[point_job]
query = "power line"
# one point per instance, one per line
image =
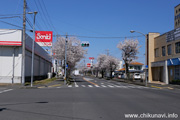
(42, 18)
(9, 14)
(12, 24)
(29, 22)
(49, 17)
(9, 17)
(96, 37)
(44, 14)
(37, 22)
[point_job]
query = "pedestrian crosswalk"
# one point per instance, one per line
(105, 86)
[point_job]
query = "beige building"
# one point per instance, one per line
(163, 53)
(177, 16)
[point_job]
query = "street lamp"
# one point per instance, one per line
(32, 62)
(132, 31)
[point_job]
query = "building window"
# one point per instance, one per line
(137, 68)
(163, 51)
(177, 72)
(157, 52)
(178, 47)
(131, 67)
(169, 49)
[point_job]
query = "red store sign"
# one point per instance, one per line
(44, 38)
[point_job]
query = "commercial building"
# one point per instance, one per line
(11, 57)
(163, 53)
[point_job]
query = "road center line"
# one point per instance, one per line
(89, 81)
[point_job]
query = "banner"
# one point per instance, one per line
(43, 38)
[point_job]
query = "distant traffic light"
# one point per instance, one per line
(85, 44)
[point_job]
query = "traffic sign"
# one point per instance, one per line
(91, 58)
(88, 64)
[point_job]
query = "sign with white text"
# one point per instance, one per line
(43, 38)
(88, 64)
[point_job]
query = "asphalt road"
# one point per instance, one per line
(88, 99)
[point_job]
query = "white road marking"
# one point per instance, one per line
(88, 79)
(58, 87)
(103, 86)
(117, 86)
(5, 90)
(110, 86)
(75, 82)
(90, 86)
(132, 86)
(83, 85)
(76, 85)
(69, 85)
(97, 85)
(123, 87)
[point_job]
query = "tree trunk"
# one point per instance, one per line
(111, 73)
(102, 72)
(126, 70)
(96, 73)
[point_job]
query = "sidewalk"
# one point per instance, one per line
(159, 85)
(10, 85)
(55, 83)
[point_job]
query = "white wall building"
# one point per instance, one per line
(120, 65)
(11, 57)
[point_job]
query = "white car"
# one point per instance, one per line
(137, 76)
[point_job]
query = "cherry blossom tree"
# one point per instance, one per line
(129, 48)
(110, 64)
(106, 63)
(100, 60)
(75, 52)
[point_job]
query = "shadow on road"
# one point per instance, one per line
(1, 109)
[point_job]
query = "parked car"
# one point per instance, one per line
(137, 76)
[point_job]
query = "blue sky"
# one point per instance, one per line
(97, 18)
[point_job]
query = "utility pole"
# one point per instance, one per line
(65, 61)
(107, 50)
(23, 44)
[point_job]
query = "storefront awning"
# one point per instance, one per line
(174, 61)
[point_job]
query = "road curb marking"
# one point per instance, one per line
(54, 85)
(156, 87)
